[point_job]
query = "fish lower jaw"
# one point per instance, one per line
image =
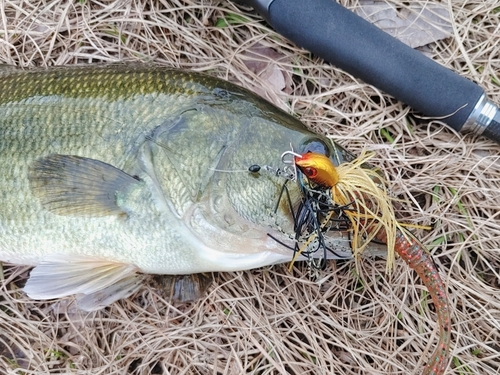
(217, 261)
(216, 246)
(231, 252)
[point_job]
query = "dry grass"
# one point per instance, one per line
(270, 321)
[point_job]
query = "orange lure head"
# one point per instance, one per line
(318, 168)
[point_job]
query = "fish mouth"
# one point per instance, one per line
(316, 250)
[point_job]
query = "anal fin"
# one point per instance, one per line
(97, 279)
(105, 297)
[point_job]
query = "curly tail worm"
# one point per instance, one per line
(384, 227)
(418, 259)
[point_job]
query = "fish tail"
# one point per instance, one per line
(416, 256)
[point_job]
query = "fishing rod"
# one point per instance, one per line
(353, 44)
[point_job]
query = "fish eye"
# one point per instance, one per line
(316, 145)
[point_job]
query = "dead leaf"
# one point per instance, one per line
(261, 60)
(414, 25)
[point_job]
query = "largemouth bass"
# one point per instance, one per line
(117, 171)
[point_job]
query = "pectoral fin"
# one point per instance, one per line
(97, 282)
(182, 288)
(75, 186)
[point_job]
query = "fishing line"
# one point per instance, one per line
(229, 170)
(254, 168)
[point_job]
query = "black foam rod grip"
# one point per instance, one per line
(356, 46)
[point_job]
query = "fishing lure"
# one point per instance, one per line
(315, 217)
(360, 195)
